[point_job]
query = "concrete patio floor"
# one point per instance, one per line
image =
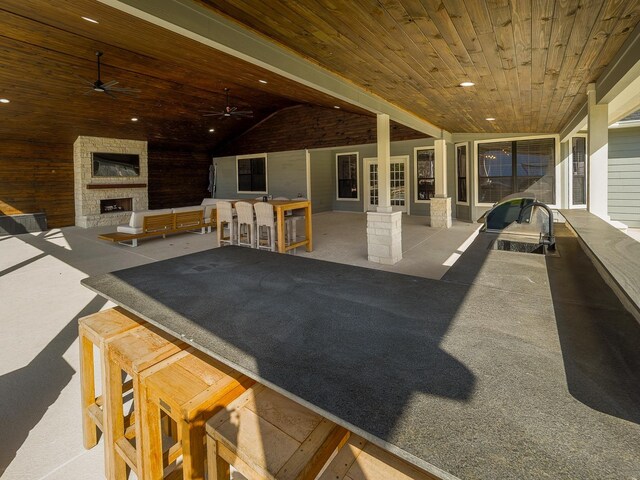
(42, 299)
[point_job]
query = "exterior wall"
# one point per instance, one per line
(286, 175)
(624, 175)
(323, 185)
(474, 211)
(400, 148)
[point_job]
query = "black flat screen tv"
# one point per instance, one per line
(116, 165)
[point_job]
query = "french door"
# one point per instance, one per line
(398, 171)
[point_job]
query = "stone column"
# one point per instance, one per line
(384, 227)
(440, 208)
(598, 163)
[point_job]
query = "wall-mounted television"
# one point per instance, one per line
(116, 165)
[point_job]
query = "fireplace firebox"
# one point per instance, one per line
(111, 205)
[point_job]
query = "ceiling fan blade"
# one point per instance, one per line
(216, 114)
(110, 84)
(110, 94)
(91, 90)
(88, 82)
(243, 112)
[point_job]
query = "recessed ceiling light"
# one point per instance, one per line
(4, 100)
(90, 20)
(262, 81)
(211, 130)
(134, 119)
(490, 119)
(336, 106)
(467, 84)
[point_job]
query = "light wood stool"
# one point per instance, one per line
(359, 459)
(267, 436)
(189, 387)
(132, 352)
(95, 330)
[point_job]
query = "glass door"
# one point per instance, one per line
(398, 168)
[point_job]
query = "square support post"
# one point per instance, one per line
(598, 164)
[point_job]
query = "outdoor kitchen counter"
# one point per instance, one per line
(486, 374)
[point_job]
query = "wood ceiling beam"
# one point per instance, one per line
(201, 24)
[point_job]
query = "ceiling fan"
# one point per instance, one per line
(230, 111)
(110, 87)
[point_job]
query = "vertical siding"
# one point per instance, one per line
(624, 175)
(286, 175)
(323, 185)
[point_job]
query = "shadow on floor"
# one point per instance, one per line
(598, 337)
(28, 392)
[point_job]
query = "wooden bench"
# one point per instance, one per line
(163, 224)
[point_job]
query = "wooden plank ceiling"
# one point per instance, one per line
(46, 49)
(530, 61)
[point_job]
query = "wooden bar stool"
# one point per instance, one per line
(359, 459)
(132, 352)
(95, 330)
(267, 436)
(189, 387)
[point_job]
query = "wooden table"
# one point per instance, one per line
(280, 207)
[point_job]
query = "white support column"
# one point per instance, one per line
(440, 208)
(384, 160)
(598, 164)
(441, 168)
(384, 226)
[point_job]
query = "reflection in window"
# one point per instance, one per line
(252, 174)
(579, 170)
(425, 177)
(347, 175)
(461, 163)
(518, 166)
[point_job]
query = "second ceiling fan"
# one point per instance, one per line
(229, 111)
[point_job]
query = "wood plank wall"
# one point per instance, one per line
(178, 177)
(37, 177)
(310, 126)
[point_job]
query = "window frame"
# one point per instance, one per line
(455, 152)
(415, 172)
(556, 171)
(338, 197)
(266, 174)
(586, 171)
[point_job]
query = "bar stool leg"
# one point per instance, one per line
(193, 452)
(218, 468)
(88, 391)
(116, 468)
(151, 435)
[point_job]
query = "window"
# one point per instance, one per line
(516, 166)
(579, 170)
(461, 169)
(252, 173)
(425, 174)
(347, 175)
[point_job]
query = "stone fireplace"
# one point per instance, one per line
(107, 200)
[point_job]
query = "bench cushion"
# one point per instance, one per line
(129, 229)
(137, 218)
